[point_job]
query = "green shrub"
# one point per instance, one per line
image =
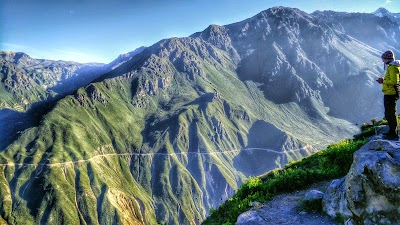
(311, 205)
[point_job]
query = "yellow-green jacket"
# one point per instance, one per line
(391, 78)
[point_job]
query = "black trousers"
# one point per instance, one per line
(390, 111)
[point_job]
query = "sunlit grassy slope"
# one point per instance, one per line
(155, 140)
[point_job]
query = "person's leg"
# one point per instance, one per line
(390, 112)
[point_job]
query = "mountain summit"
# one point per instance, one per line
(381, 12)
(173, 129)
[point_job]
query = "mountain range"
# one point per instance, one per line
(167, 132)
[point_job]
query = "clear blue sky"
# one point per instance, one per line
(100, 30)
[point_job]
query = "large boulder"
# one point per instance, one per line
(370, 192)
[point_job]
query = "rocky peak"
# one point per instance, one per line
(216, 35)
(18, 58)
(381, 12)
(219, 37)
(277, 24)
(285, 27)
(284, 13)
(280, 17)
(188, 55)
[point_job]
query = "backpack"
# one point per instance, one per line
(397, 89)
(397, 86)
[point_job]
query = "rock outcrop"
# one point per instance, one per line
(370, 192)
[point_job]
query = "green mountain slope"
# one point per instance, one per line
(160, 138)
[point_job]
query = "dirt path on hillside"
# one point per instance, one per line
(146, 155)
(285, 210)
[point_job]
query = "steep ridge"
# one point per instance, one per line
(25, 80)
(164, 135)
(30, 87)
(382, 12)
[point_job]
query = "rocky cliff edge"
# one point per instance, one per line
(370, 192)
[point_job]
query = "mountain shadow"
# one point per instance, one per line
(264, 151)
(13, 123)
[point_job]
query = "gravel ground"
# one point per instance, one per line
(285, 209)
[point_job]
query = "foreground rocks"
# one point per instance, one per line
(286, 209)
(370, 192)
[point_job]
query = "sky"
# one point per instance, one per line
(100, 30)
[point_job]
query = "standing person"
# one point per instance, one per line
(390, 91)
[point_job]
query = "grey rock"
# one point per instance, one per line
(371, 189)
(334, 202)
(250, 218)
(314, 195)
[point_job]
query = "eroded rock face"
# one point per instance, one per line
(370, 193)
(334, 201)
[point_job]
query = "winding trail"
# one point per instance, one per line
(151, 154)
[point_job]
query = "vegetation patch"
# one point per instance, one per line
(314, 205)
